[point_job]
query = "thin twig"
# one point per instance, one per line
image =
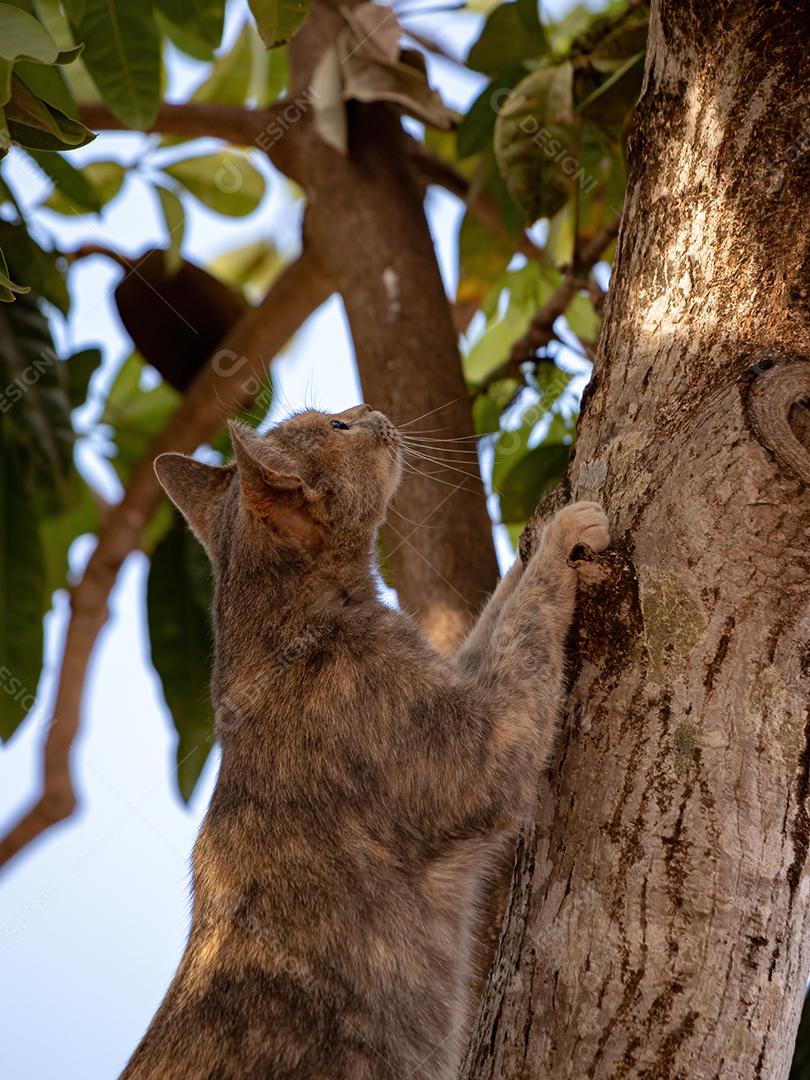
(85, 251)
(227, 383)
(268, 128)
(194, 119)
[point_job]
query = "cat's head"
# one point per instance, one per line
(314, 481)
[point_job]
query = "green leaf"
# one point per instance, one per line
(582, 318)
(178, 598)
(53, 15)
(611, 104)
(512, 445)
(203, 18)
(508, 38)
(562, 234)
(35, 123)
(491, 351)
(567, 30)
(230, 75)
(489, 406)
(6, 68)
(600, 194)
(271, 72)
(251, 268)
(58, 532)
(628, 38)
(530, 15)
(7, 287)
(136, 414)
(185, 40)
(537, 473)
(44, 271)
(72, 183)
(528, 288)
(225, 182)
(21, 591)
(74, 9)
(493, 183)
(103, 178)
(483, 256)
(34, 396)
(36, 138)
(175, 218)
(49, 84)
(80, 369)
(475, 131)
(22, 37)
(536, 141)
(123, 56)
(5, 134)
(278, 20)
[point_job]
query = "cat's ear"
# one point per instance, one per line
(281, 499)
(196, 489)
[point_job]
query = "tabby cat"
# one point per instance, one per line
(364, 780)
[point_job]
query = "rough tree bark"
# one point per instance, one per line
(657, 921)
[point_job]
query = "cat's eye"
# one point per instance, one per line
(338, 425)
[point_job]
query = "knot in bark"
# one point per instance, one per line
(776, 400)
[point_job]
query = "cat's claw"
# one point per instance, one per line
(582, 524)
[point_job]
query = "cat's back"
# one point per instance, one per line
(320, 946)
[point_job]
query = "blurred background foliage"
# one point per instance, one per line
(538, 159)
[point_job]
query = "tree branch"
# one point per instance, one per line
(269, 128)
(194, 119)
(228, 382)
(86, 251)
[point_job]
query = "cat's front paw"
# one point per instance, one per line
(580, 525)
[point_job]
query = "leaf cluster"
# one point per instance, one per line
(538, 158)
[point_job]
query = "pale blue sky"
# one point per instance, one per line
(93, 918)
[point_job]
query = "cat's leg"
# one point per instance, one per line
(474, 647)
(474, 775)
(521, 673)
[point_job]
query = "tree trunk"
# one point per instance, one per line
(366, 222)
(657, 921)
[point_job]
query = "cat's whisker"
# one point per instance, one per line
(429, 431)
(438, 408)
(441, 449)
(441, 464)
(226, 410)
(463, 441)
(411, 470)
(456, 438)
(418, 524)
